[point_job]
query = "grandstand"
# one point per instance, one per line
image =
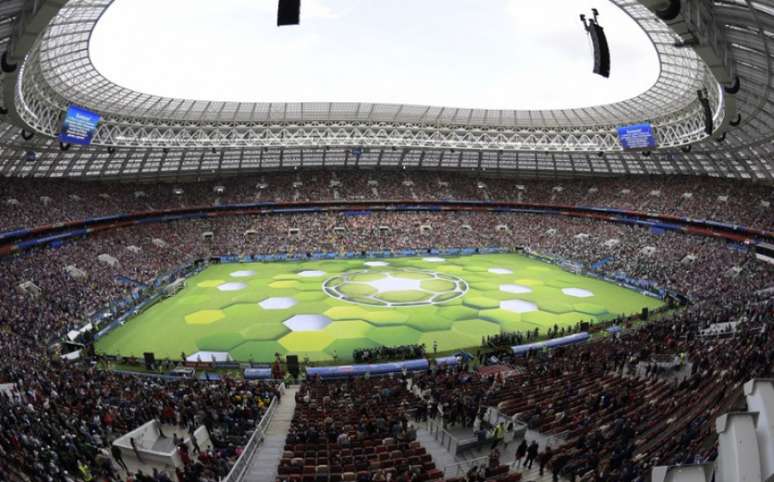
(204, 290)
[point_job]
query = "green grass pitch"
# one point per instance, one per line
(317, 308)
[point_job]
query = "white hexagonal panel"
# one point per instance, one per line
(307, 322)
(518, 306)
(232, 286)
(376, 264)
(242, 274)
(311, 274)
(434, 259)
(500, 271)
(277, 303)
(387, 284)
(517, 289)
(577, 292)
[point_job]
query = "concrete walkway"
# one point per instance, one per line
(263, 466)
(441, 457)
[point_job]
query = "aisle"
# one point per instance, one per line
(263, 466)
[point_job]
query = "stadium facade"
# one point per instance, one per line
(721, 48)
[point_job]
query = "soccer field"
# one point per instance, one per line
(317, 309)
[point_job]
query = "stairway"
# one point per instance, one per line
(263, 465)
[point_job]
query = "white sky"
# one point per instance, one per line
(500, 54)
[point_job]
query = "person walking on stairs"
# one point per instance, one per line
(499, 433)
(521, 451)
(532, 452)
(544, 458)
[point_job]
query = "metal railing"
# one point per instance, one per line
(237, 471)
(443, 437)
(455, 470)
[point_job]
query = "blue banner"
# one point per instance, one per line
(372, 369)
(554, 343)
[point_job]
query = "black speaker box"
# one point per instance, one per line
(150, 360)
(292, 361)
(288, 12)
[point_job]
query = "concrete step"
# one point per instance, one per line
(263, 465)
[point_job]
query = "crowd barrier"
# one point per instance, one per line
(346, 371)
(573, 339)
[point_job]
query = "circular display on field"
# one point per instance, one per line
(395, 288)
(242, 274)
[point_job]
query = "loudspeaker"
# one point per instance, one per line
(645, 314)
(585, 325)
(601, 50)
(288, 12)
(292, 361)
(705, 105)
(150, 360)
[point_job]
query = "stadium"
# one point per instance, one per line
(340, 241)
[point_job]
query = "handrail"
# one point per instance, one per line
(467, 464)
(444, 437)
(237, 471)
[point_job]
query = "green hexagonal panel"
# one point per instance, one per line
(429, 323)
(449, 268)
(284, 284)
(500, 316)
(211, 283)
(590, 308)
(301, 341)
(476, 328)
(348, 329)
(357, 289)
(264, 331)
(485, 286)
(555, 283)
(219, 341)
(385, 317)
(529, 282)
(345, 313)
(258, 351)
(204, 317)
(249, 313)
(394, 335)
(540, 319)
(316, 295)
(344, 347)
(365, 277)
(285, 277)
(437, 285)
(554, 307)
(457, 312)
(480, 302)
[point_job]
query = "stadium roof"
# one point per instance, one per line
(703, 45)
(513, 54)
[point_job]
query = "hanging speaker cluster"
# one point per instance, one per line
(599, 41)
(288, 12)
(705, 105)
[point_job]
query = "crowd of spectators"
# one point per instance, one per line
(400, 352)
(31, 202)
(58, 416)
